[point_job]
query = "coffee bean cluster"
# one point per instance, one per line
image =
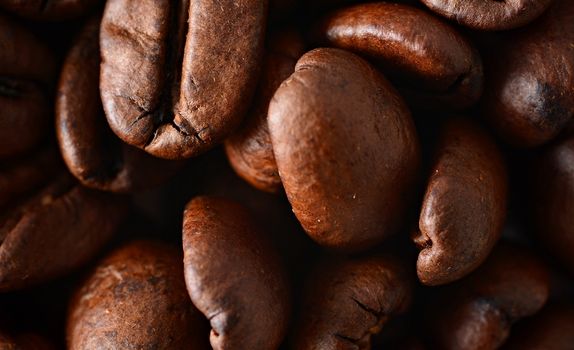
(286, 174)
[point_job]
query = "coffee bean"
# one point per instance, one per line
(529, 98)
(234, 276)
(91, 151)
(347, 301)
(27, 72)
(432, 64)
(490, 15)
(135, 298)
(478, 311)
(177, 77)
(346, 149)
(464, 206)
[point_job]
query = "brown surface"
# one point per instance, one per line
(464, 206)
(93, 154)
(347, 301)
(234, 276)
(491, 14)
(136, 299)
(552, 199)
(529, 97)
(435, 66)
(477, 312)
(551, 329)
(177, 91)
(250, 151)
(50, 9)
(55, 232)
(346, 149)
(27, 73)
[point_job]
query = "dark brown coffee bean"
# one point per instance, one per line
(50, 9)
(432, 64)
(346, 149)
(175, 89)
(234, 276)
(551, 329)
(464, 207)
(136, 299)
(552, 202)
(529, 96)
(91, 151)
(24, 341)
(27, 72)
(250, 151)
(347, 301)
(478, 311)
(490, 15)
(55, 232)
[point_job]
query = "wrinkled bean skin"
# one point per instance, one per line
(135, 299)
(478, 311)
(347, 301)
(553, 199)
(24, 341)
(250, 151)
(434, 66)
(91, 151)
(464, 206)
(55, 232)
(490, 14)
(174, 93)
(25, 88)
(346, 149)
(529, 98)
(234, 276)
(50, 9)
(551, 329)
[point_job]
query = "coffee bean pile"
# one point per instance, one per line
(286, 174)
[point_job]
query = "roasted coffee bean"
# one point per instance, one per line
(91, 151)
(24, 341)
(464, 206)
(490, 15)
(347, 301)
(478, 311)
(249, 150)
(234, 276)
(177, 77)
(22, 176)
(552, 199)
(551, 329)
(431, 63)
(529, 98)
(27, 72)
(135, 298)
(50, 9)
(346, 149)
(55, 232)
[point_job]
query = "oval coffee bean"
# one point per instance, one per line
(55, 232)
(529, 97)
(249, 150)
(347, 301)
(552, 208)
(551, 329)
(91, 151)
(135, 299)
(50, 9)
(490, 14)
(431, 63)
(234, 276)
(477, 312)
(464, 206)
(177, 77)
(27, 72)
(346, 149)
